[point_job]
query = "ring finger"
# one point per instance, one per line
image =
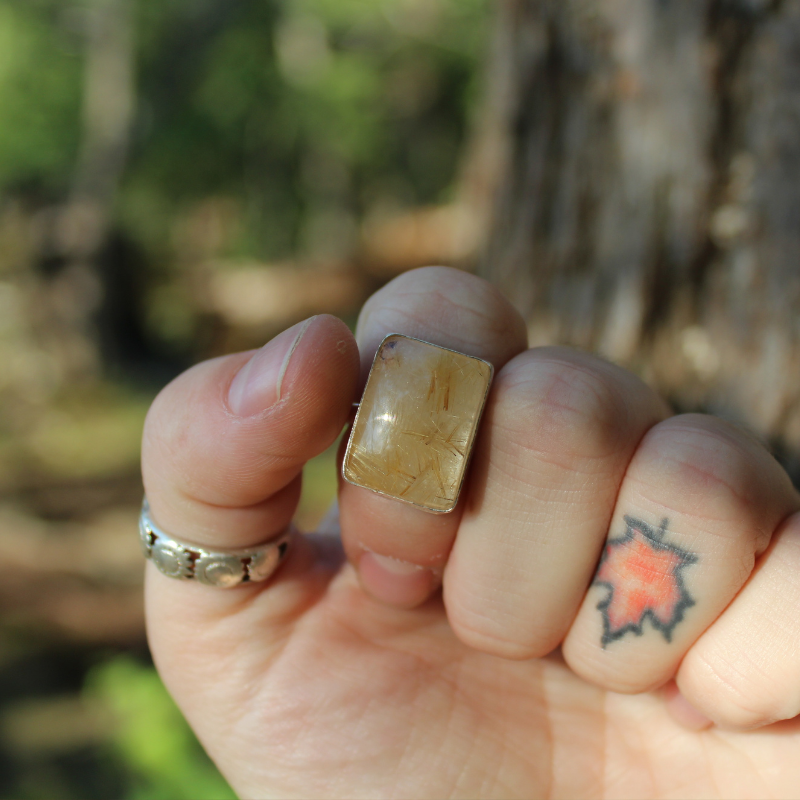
(699, 503)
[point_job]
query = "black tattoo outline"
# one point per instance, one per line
(656, 538)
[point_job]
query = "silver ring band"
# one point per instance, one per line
(221, 568)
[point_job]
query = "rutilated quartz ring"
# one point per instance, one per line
(221, 568)
(416, 423)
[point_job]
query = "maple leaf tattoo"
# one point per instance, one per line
(643, 574)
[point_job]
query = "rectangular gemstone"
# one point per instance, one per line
(416, 423)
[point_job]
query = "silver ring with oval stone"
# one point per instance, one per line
(416, 423)
(223, 569)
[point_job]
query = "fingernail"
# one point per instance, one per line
(395, 582)
(258, 384)
(683, 712)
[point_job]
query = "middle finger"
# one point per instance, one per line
(560, 429)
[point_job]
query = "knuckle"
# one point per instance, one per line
(448, 306)
(734, 691)
(495, 644)
(586, 657)
(170, 443)
(713, 472)
(562, 409)
(189, 444)
(166, 434)
(496, 631)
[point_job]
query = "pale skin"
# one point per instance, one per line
(410, 655)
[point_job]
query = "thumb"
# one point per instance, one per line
(224, 446)
(224, 443)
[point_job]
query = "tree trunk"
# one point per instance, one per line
(88, 295)
(641, 160)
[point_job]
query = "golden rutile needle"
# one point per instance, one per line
(416, 423)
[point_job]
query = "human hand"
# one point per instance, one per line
(511, 682)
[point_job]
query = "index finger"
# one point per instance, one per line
(401, 550)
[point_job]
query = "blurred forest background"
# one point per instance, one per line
(184, 178)
(179, 179)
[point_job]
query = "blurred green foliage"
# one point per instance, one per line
(309, 112)
(161, 756)
(40, 88)
(305, 113)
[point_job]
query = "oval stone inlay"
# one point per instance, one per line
(171, 560)
(219, 570)
(262, 565)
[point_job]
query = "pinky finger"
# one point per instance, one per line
(743, 672)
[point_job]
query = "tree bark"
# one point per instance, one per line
(637, 172)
